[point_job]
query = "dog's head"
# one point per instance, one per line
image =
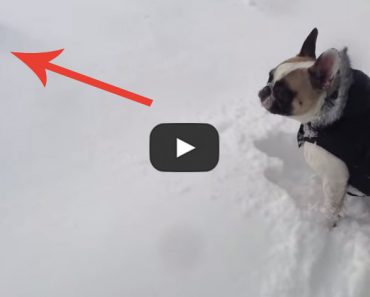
(297, 86)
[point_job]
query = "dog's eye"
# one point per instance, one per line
(271, 76)
(282, 91)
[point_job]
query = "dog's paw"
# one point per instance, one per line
(332, 216)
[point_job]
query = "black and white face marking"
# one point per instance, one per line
(288, 90)
(298, 87)
(277, 96)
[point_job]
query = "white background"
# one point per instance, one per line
(83, 213)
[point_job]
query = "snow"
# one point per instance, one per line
(83, 213)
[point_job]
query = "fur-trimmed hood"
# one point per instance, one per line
(335, 100)
(343, 124)
(349, 97)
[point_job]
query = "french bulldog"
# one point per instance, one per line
(331, 101)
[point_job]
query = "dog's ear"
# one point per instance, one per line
(309, 45)
(322, 73)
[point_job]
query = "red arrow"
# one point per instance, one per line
(40, 62)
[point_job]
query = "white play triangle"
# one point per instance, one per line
(183, 147)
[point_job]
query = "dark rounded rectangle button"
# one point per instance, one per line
(184, 147)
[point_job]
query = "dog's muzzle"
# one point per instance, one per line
(266, 97)
(264, 93)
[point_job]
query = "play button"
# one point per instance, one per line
(184, 147)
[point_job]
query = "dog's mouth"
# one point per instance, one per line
(267, 102)
(266, 96)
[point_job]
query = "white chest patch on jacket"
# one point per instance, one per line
(324, 163)
(333, 173)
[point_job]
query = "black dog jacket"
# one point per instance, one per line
(348, 138)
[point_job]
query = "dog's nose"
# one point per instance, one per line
(264, 93)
